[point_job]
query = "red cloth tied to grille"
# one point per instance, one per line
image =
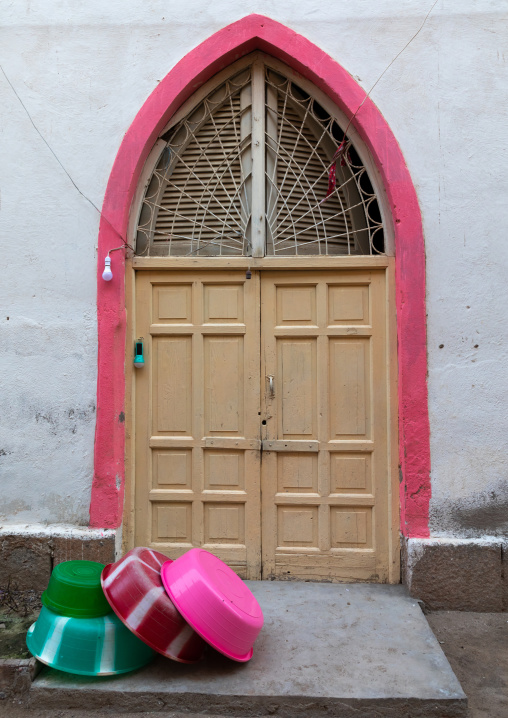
(332, 174)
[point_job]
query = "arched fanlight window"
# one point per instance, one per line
(245, 173)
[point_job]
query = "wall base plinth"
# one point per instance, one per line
(457, 574)
(28, 553)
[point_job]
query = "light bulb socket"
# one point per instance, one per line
(107, 274)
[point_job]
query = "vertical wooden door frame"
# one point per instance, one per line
(223, 48)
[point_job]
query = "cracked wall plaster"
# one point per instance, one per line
(84, 75)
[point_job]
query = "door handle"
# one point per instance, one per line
(271, 386)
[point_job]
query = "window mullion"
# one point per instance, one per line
(258, 160)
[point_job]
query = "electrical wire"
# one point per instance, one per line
(126, 244)
(389, 65)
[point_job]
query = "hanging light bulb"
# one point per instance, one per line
(107, 274)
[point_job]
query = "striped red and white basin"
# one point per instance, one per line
(134, 590)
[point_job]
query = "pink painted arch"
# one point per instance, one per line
(212, 55)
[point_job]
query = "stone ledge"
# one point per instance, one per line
(504, 577)
(346, 650)
(28, 553)
(457, 574)
(242, 706)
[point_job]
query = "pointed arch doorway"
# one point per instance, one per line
(112, 498)
(263, 420)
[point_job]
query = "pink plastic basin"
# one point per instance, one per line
(134, 590)
(215, 602)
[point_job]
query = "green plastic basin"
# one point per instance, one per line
(75, 590)
(87, 646)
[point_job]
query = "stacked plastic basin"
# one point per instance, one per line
(100, 620)
(215, 602)
(77, 631)
(135, 592)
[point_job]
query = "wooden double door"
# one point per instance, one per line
(263, 428)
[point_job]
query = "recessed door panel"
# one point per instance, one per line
(297, 378)
(349, 387)
(172, 395)
(223, 385)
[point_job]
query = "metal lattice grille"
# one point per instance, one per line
(298, 217)
(199, 200)
(301, 141)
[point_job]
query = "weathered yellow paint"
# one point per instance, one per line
(197, 416)
(326, 514)
(289, 366)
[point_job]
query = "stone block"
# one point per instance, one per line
(27, 558)
(25, 562)
(73, 549)
(455, 575)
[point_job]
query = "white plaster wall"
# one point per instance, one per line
(84, 69)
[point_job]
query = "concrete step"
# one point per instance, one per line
(325, 650)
